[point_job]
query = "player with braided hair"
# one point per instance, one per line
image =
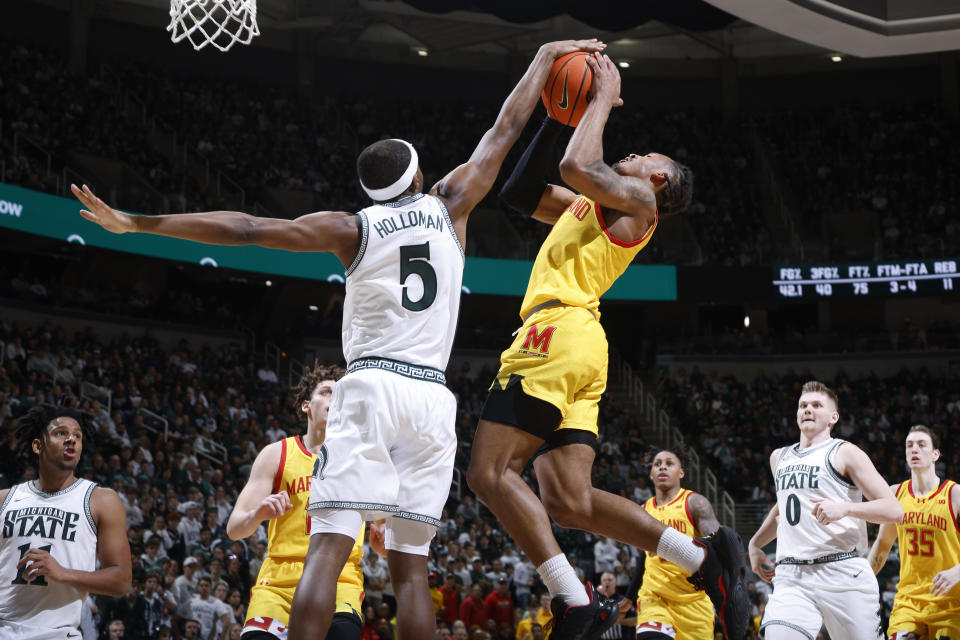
(54, 530)
(667, 605)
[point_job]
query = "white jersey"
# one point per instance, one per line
(403, 289)
(60, 523)
(801, 477)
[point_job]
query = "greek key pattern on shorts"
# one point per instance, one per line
(353, 506)
(429, 374)
(418, 517)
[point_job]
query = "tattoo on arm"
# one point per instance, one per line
(616, 185)
(703, 516)
(878, 562)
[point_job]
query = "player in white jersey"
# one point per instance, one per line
(390, 450)
(819, 523)
(54, 529)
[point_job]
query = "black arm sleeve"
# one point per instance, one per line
(525, 186)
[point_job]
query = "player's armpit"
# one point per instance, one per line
(553, 203)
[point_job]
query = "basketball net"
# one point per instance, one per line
(221, 23)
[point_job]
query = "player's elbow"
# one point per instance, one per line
(894, 511)
(574, 173)
(234, 532)
(118, 587)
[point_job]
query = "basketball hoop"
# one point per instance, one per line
(221, 23)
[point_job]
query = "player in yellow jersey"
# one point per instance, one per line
(543, 403)
(927, 605)
(278, 490)
(667, 605)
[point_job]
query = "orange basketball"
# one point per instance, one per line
(567, 92)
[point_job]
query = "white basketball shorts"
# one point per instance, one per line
(842, 595)
(389, 451)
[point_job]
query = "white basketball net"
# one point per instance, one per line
(221, 23)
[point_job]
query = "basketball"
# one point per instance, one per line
(567, 92)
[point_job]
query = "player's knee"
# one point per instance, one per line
(570, 510)
(481, 479)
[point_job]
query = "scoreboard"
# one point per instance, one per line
(893, 278)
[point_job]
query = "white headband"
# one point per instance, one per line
(402, 183)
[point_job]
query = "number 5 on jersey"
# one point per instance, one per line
(415, 260)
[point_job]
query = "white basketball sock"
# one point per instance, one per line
(560, 578)
(680, 550)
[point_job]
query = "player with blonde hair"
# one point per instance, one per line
(820, 524)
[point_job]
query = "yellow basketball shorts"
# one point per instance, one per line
(272, 595)
(683, 621)
(558, 356)
(927, 620)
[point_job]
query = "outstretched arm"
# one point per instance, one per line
(466, 185)
(256, 501)
(113, 551)
(881, 506)
(583, 167)
(329, 231)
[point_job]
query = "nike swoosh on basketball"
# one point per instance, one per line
(563, 103)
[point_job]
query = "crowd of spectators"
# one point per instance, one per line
(896, 163)
(48, 113)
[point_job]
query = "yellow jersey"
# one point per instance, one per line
(660, 577)
(288, 539)
(580, 260)
(929, 541)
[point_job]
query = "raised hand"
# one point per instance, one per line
(98, 211)
(274, 506)
(606, 79)
(563, 47)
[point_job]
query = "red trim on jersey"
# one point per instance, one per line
(675, 498)
(686, 507)
(617, 241)
(927, 497)
(900, 489)
(956, 516)
(299, 440)
(278, 481)
(943, 483)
